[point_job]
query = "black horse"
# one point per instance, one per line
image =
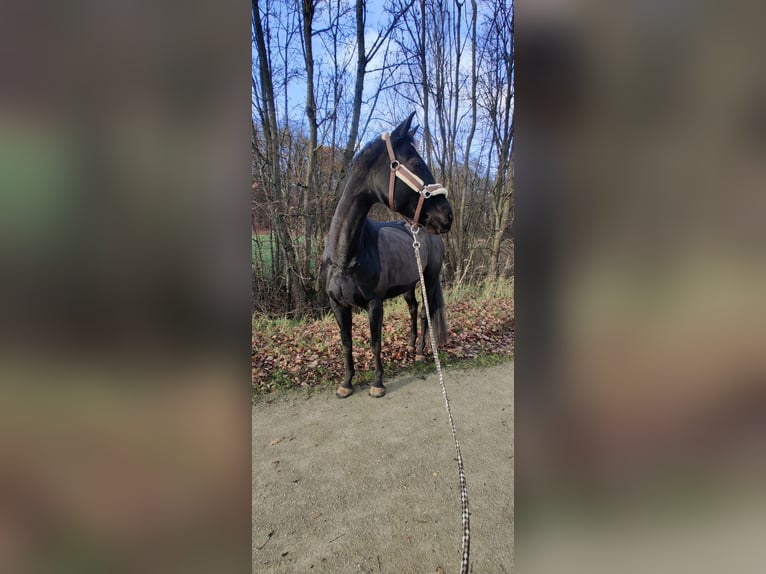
(366, 261)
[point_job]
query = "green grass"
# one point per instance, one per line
(260, 252)
(485, 291)
(273, 326)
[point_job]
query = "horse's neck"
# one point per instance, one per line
(347, 224)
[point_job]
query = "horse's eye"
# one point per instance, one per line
(415, 163)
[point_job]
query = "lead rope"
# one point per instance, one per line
(461, 471)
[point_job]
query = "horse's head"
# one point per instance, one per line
(419, 199)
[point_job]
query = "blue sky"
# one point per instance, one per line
(385, 117)
(296, 88)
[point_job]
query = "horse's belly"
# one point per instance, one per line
(397, 281)
(396, 291)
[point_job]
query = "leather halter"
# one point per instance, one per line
(412, 181)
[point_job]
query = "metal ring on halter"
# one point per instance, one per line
(426, 193)
(394, 165)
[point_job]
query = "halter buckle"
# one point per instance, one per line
(414, 228)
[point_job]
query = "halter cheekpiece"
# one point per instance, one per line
(412, 181)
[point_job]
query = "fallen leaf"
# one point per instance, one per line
(275, 441)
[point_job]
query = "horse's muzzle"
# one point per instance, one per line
(438, 220)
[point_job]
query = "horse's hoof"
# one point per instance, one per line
(377, 392)
(344, 392)
(420, 357)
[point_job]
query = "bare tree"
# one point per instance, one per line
(270, 133)
(308, 11)
(364, 56)
(498, 99)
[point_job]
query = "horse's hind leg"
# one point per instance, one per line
(343, 317)
(375, 311)
(412, 305)
(420, 353)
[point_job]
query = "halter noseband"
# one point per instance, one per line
(412, 181)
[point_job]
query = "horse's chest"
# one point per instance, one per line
(350, 288)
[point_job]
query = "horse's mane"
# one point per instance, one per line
(365, 156)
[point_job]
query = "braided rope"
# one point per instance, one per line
(461, 471)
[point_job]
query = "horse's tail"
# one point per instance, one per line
(437, 309)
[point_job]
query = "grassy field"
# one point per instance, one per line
(294, 354)
(261, 250)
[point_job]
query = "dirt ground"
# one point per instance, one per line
(371, 485)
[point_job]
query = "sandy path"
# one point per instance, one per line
(370, 485)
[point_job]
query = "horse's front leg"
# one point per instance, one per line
(343, 317)
(375, 311)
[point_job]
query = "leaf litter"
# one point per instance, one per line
(309, 354)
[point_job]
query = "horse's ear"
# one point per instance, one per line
(402, 129)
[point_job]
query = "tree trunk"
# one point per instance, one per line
(502, 220)
(361, 70)
(311, 114)
(423, 60)
(471, 131)
(270, 133)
